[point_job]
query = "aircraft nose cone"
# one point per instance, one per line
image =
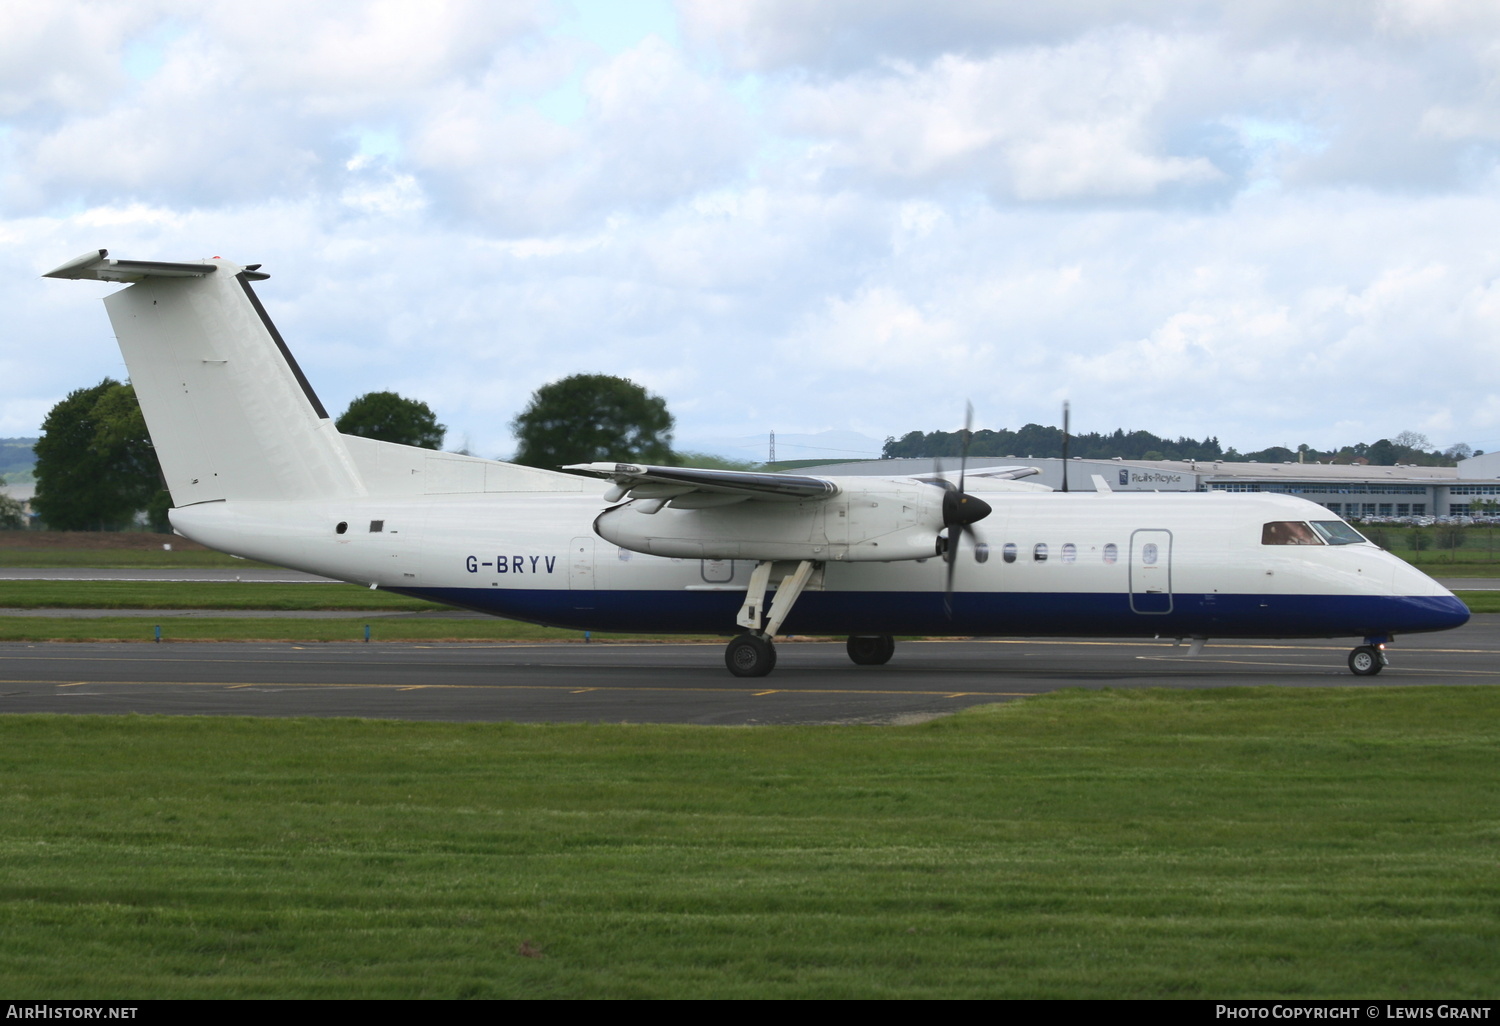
(1452, 613)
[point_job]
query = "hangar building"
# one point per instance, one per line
(1348, 490)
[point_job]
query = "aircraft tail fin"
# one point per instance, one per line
(229, 411)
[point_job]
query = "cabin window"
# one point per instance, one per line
(1149, 553)
(1009, 552)
(1111, 553)
(1040, 552)
(342, 527)
(1288, 532)
(376, 526)
(1336, 532)
(1069, 552)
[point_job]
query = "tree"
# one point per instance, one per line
(1382, 453)
(95, 468)
(388, 417)
(12, 513)
(588, 418)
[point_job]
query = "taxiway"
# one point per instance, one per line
(677, 683)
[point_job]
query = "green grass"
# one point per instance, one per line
(1480, 601)
(133, 559)
(137, 628)
(1478, 556)
(1230, 843)
(1440, 568)
(289, 597)
(200, 595)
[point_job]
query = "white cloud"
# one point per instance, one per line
(654, 132)
(1272, 222)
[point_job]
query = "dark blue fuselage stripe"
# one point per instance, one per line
(1075, 614)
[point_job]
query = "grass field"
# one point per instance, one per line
(134, 559)
(202, 595)
(138, 628)
(106, 595)
(1225, 843)
(133, 549)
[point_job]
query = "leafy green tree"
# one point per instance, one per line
(1038, 441)
(12, 513)
(588, 418)
(122, 432)
(95, 468)
(708, 461)
(388, 417)
(1382, 453)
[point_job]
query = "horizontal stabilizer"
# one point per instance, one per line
(97, 265)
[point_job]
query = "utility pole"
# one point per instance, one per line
(1065, 445)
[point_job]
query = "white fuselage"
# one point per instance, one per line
(1079, 566)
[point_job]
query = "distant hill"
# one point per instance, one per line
(16, 455)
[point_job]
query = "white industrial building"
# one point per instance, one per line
(1348, 490)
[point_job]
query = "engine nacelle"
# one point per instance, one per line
(870, 520)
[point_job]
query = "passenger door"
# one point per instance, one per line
(1151, 572)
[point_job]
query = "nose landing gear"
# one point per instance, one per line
(1368, 659)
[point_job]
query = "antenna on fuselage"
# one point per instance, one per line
(1065, 445)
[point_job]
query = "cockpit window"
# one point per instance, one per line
(1336, 532)
(1288, 532)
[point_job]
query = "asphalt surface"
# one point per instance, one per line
(677, 683)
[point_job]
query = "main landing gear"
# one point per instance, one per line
(871, 650)
(753, 654)
(1368, 659)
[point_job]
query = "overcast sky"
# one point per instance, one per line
(1274, 222)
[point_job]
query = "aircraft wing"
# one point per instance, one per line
(645, 482)
(986, 473)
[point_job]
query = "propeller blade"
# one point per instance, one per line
(963, 457)
(948, 588)
(960, 510)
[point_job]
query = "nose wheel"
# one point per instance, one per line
(1366, 661)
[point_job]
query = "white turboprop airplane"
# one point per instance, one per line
(256, 469)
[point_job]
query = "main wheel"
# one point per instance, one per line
(750, 655)
(1366, 661)
(871, 650)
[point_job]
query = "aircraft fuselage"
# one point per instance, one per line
(1053, 564)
